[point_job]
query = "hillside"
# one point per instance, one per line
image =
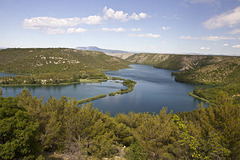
(223, 71)
(175, 62)
(56, 64)
(35, 60)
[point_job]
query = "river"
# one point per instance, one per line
(155, 89)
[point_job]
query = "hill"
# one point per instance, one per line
(61, 64)
(94, 48)
(223, 71)
(174, 61)
(56, 59)
(220, 73)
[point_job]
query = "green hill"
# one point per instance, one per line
(176, 62)
(46, 60)
(55, 65)
(223, 72)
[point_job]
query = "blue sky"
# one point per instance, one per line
(158, 26)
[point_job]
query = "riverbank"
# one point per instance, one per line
(56, 84)
(91, 99)
(126, 82)
(200, 98)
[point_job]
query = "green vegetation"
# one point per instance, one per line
(60, 129)
(126, 82)
(42, 66)
(92, 98)
(233, 90)
(221, 71)
(176, 62)
(17, 131)
(225, 75)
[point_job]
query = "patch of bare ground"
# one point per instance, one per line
(120, 55)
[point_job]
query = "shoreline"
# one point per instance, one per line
(126, 82)
(200, 98)
(60, 84)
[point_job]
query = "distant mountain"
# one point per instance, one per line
(94, 48)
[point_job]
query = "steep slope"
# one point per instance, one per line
(223, 72)
(175, 62)
(45, 60)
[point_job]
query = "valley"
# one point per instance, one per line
(58, 127)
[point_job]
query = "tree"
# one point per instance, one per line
(156, 134)
(135, 152)
(17, 131)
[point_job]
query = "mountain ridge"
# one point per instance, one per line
(94, 48)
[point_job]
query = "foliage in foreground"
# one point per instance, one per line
(62, 127)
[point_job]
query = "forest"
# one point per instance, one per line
(60, 129)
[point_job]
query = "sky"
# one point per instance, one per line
(156, 26)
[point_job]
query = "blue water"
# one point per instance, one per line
(155, 89)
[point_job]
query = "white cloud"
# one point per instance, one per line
(229, 19)
(204, 48)
(235, 31)
(49, 22)
(51, 25)
(76, 30)
(109, 13)
(189, 37)
(236, 46)
(136, 29)
(217, 38)
(114, 29)
(149, 35)
(201, 1)
(208, 38)
(121, 29)
(225, 44)
(165, 28)
(91, 20)
(135, 16)
(55, 31)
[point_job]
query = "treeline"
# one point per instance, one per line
(60, 128)
(233, 90)
(126, 82)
